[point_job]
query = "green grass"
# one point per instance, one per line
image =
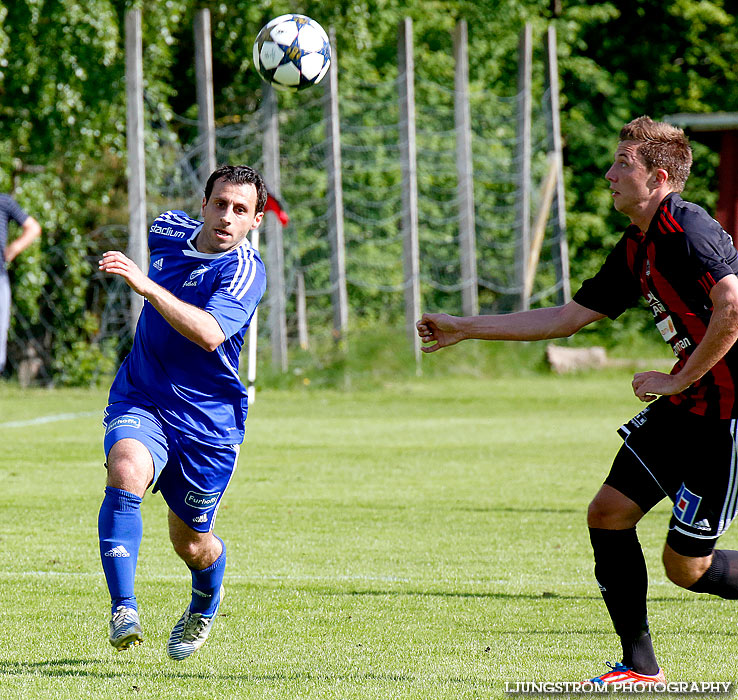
(426, 540)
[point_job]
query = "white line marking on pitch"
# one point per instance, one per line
(48, 419)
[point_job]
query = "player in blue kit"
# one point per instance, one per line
(177, 407)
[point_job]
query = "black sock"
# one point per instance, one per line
(620, 570)
(721, 578)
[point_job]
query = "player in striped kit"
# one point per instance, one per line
(177, 407)
(684, 445)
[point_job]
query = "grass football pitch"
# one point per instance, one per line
(426, 540)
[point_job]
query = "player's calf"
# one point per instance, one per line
(721, 577)
(682, 570)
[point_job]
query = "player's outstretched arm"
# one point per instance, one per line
(192, 322)
(443, 330)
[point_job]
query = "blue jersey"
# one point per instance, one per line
(195, 391)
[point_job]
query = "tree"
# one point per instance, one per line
(62, 120)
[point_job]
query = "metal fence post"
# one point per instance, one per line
(561, 252)
(205, 102)
(465, 174)
(137, 247)
(523, 158)
(339, 295)
(273, 232)
(406, 84)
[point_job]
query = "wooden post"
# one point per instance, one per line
(273, 232)
(561, 252)
(408, 153)
(137, 246)
(548, 189)
(205, 102)
(523, 157)
(465, 174)
(339, 295)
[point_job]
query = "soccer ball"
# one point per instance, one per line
(292, 52)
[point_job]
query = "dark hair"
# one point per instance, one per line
(239, 175)
(661, 145)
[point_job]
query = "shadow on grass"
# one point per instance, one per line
(490, 595)
(525, 510)
(485, 595)
(75, 667)
(57, 668)
(461, 594)
(450, 507)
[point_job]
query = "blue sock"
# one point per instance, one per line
(206, 585)
(120, 528)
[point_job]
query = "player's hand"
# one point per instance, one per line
(648, 386)
(440, 329)
(115, 263)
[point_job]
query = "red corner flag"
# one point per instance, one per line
(272, 204)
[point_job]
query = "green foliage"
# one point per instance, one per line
(375, 355)
(81, 361)
(62, 123)
(62, 154)
(626, 59)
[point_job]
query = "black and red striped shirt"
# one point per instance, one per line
(674, 266)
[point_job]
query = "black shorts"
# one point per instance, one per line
(668, 451)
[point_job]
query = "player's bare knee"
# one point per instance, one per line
(596, 514)
(187, 549)
(130, 467)
(612, 510)
(601, 515)
(198, 550)
(128, 475)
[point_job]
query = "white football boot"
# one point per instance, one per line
(190, 632)
(125, 628)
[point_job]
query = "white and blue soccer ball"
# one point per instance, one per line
(292, 52)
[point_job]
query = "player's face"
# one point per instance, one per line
(629, 180)
(228, 216)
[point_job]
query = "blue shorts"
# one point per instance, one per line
(191, 475)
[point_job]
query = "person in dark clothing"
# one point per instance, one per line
(683, 445)
(30, 231)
